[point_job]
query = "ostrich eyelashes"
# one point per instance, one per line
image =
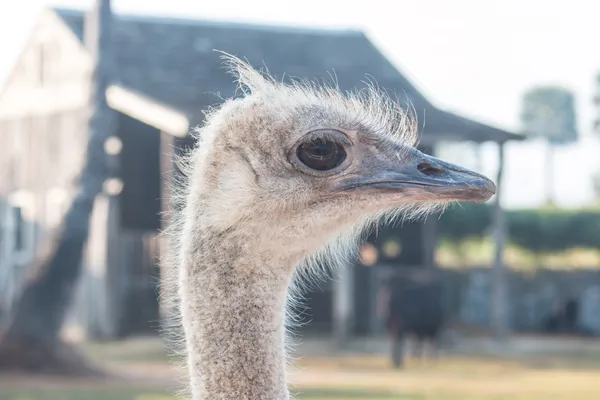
(322, 152)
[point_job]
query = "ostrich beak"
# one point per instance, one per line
(422, 177)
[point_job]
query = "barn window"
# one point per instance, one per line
(21, 226)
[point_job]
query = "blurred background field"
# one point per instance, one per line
(509, 89)
(146, 374)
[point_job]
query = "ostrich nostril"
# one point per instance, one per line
(430, 170)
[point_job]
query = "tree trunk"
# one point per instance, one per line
(32, 340)
(499, 294)
(549, 170)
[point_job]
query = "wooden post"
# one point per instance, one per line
(6, 257)
(429, 234)
(429, 237)
(343, 304)
(549, 174)
(499, 276)
(98, 299)
(417, 238)
(167, 180)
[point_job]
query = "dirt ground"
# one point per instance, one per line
(143, 372)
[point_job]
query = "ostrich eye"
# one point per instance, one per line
(321, 154)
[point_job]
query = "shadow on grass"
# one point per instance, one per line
(132, 394)
(127, 351)
(583, 362)
(82, 394)
(355, 394)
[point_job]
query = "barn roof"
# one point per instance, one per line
(171, 62)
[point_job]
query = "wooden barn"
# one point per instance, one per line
(165, 74)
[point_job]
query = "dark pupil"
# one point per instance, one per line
(321, 154)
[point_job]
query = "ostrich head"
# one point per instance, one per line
(298, 164)
(279, 176)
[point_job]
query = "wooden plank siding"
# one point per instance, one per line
(43, 111)
(140, 270)
(40, 156)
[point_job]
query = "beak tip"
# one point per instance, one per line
(489, 189)
(492, 187)
(480, 191)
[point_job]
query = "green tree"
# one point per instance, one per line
(549, 112)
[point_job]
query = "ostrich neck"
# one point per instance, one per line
(233, 313)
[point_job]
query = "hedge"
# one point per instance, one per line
(547, 230)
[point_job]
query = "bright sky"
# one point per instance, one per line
(471, 56)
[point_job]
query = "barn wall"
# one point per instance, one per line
(139, 311)
(40, 158)
(52, 73)
(118, 294)
(532, 296)
(141, 175)
(41, 143)
(42, 152)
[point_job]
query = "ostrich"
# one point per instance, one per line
(282, 178)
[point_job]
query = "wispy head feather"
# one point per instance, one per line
(249, 80)
(372, 105)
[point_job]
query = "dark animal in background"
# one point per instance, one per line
(415, 311)
(564, 319)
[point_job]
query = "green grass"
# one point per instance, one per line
(309, 394)
(140, 394)
(81, 394)
(548, 377)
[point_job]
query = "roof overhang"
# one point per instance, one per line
(443, 125)
(148, 110)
